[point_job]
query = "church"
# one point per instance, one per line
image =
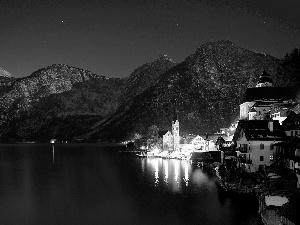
(172, 140)
(266, 101)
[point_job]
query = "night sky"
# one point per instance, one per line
(114, 37)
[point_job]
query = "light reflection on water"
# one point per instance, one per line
(175, 174)
(90, 184)
(199, 192)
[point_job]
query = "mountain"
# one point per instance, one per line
(64, 101)
(5, 80)
(145, 76)
(4, 73)
(205, 89)
(53, 99)
(68, 103)
(56, 79)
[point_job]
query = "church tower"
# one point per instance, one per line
(265, 80)
(175, 131)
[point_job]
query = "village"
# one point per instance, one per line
(258, 154)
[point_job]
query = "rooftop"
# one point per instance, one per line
(259, 130)
(271, 94)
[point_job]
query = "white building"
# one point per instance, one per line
(255, 141)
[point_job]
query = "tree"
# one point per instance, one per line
(288, 73)
(152, 136)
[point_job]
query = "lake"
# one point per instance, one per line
(96, 184)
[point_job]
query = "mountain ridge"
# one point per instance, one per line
(206, 89)
(4, 73)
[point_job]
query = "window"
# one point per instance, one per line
(262, 146)
(271, 146)
(261, 158)
(244, 148)
(271, 158)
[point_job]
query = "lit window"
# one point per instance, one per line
(262, 146)
(261, 158)
(271, 157)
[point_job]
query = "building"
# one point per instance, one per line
(167, 140)
(255, 140)
(292, 124)
(266, 101)
(175, 132)
(288, 153)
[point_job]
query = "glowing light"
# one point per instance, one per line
(53, 154)
(176, 169)
(156, 150)
(156, 172)
(166, 171)
(143, 166)
(186, 174)
(199, 177)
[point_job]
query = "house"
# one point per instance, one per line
(198, 142)
(255, 141)
(292, 124)
(288, 153)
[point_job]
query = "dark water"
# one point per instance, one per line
(95, 184)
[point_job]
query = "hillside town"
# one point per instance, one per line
(258, 154)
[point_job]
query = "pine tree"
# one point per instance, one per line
(288, 73)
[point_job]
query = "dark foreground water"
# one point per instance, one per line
(95, 184)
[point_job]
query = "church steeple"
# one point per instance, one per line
(175, 131)
(175, 115)
(265, 80)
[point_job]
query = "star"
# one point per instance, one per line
(62, 21)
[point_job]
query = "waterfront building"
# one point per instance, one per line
(288, 153)
(171, 140)
(255, 141)
(291, 125)
(167, 139)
